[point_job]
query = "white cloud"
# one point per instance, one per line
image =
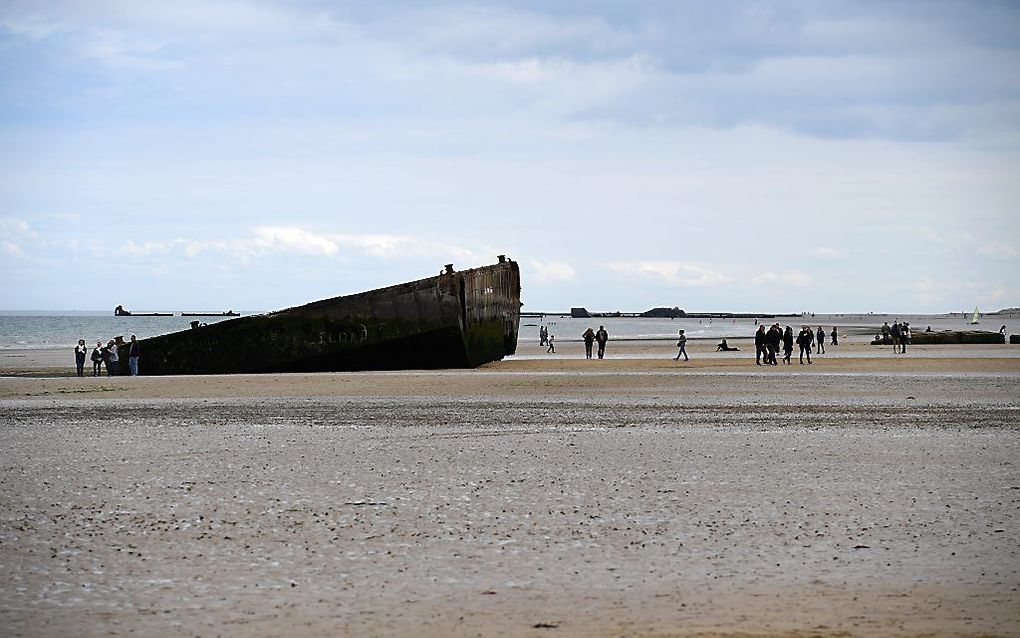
(12, 226)
(374, 245)
(11, 248)
(672, 272)
(292, 239)
(296, 240)
(998, 250)
(33, 26)
(552, 271)
(793, 278)
(827, 252)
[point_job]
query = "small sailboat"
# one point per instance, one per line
(974, 317)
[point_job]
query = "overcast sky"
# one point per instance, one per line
(756, 156)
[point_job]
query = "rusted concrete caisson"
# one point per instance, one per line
(455, 320)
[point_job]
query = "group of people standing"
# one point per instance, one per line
(107, 356)
(589, 336)
(768, 343)
(899, 334)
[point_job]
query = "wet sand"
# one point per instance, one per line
(862, 495)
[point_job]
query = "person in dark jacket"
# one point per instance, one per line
(681, 347)
(134, 352)
(774, 340)
(602, 337)
(895, 332)
(80, 353)
(835, 337)
(681, 344)
(804, 340)
(788, 344)
(820, 341)
(759, 345)
(97, 359)
(589, 341)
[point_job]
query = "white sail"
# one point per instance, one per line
(974, 319)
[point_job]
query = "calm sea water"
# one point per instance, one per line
(63, 329)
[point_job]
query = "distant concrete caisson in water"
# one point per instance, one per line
(457, 319)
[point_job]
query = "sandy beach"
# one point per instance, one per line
(866, 494)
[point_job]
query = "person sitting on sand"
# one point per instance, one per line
(724, 347)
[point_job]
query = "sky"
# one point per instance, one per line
(820, 156)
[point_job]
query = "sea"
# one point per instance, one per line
(27, 329)
(30, 329)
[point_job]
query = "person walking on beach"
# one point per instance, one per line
(835, 337)
(552, 346)
(80, 351)
(543, 335)
(113, 359)
(681, 344)
(820, 341)
(804, 340)
(589, 341)
(759, 345)
(602, 337)
(904, 337)
(133, 353)
(886, 331)
(97, 359)
(787, 344)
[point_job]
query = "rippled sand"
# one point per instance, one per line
(629, 497)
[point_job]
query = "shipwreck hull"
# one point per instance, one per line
(454, 320)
